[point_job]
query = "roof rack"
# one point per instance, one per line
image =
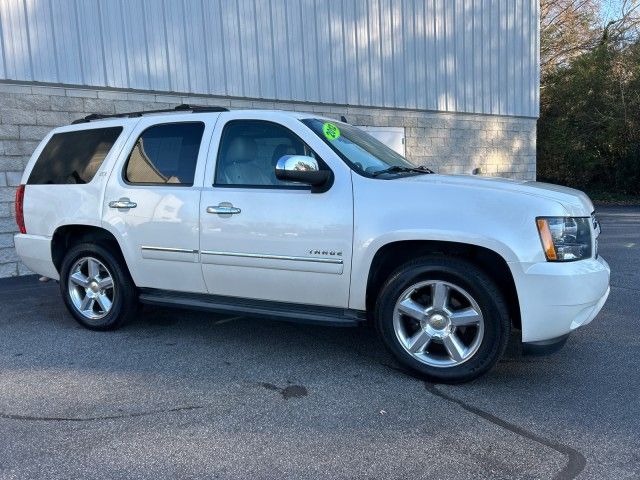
(180, 108)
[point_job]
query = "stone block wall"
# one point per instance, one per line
(446, 143)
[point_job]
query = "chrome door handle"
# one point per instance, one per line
(123, 203)
(224, 210)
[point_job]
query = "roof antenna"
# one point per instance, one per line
(343, 119)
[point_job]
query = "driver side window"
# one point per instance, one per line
(249, 151)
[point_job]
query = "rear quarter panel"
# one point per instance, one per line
(47, 207)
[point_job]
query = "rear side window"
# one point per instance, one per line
(165, 155)
(73, 157)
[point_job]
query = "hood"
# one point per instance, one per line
(575, 202)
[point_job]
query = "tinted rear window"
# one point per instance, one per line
(73, 157)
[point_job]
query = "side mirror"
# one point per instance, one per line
(302, 169)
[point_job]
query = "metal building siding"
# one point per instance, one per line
(451, 55)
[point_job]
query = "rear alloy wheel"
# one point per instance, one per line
(444, 318)
(91, 288)
(96, 287)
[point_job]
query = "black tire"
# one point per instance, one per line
(124, 304)
(477, 284)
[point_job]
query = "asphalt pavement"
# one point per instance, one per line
(181, 394)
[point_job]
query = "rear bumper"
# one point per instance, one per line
(557, 298)
(35, 253)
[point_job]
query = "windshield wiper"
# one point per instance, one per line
(400, 169)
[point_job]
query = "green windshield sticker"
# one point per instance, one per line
(330, 131)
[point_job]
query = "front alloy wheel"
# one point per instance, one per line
(438, 323)
(444, 318)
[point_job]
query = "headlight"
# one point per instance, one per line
(565, 239)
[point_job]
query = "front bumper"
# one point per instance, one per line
(557, 298)
(35, 253)
(544, 347)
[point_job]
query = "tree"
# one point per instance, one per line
(568, 28)
(589, 127)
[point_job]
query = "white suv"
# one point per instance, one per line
(293, 216)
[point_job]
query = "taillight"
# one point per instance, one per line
(20, 209)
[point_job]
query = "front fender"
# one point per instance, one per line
(366, 252)
(499, 220)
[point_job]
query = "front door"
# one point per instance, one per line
(152, 201)
(266, 239)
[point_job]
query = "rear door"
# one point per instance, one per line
(152, 200)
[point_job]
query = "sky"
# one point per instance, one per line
(611, 9)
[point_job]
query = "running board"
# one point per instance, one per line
(290, 312)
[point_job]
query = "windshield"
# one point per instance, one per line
(360, 150)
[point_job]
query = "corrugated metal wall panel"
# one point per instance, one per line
(311, 68)
(41, 40)
(92, 63)
(451, 55)
(15, 39)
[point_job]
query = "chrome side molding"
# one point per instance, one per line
(276, 262)
(167, 249)
(334, 261)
